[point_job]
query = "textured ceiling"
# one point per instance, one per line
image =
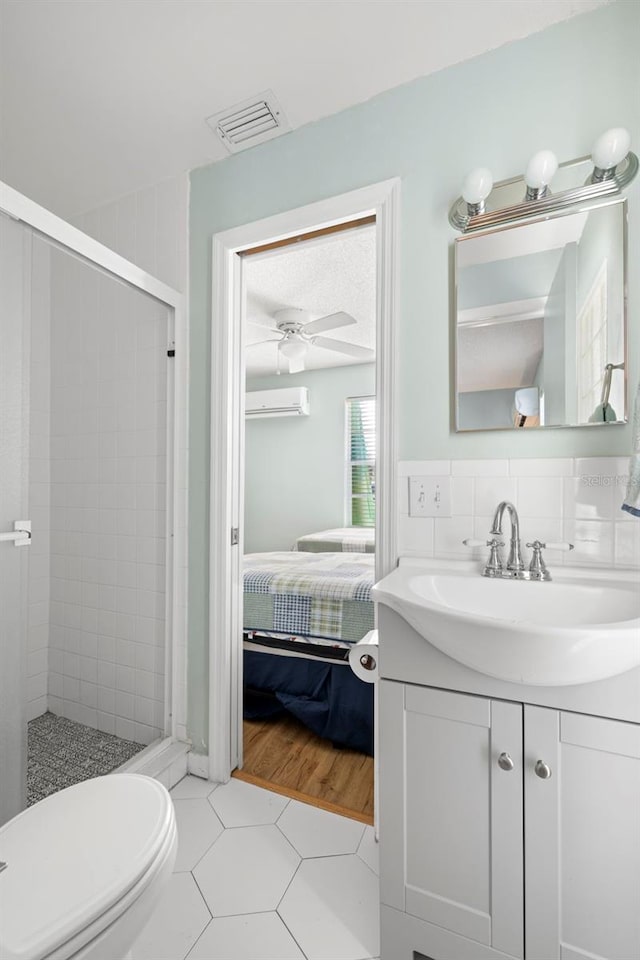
(99, 98)
(499, 355)
(320, 276)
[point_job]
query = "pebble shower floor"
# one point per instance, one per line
(63, 752)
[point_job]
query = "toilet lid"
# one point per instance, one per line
(72, 856)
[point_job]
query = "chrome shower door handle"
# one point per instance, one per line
(21, 534)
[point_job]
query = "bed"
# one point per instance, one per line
(341, 539)
(302, 614)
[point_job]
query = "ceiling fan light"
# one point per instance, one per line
(293, 348)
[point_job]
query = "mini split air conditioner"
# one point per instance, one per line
(285, 402)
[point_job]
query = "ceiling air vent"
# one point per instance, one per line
(250, 122)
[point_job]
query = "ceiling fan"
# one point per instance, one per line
(297, 335)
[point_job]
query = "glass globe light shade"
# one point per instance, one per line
(610, 148)
(541, 169)
(477, 186)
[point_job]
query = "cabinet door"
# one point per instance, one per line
(451, 816)
(582, 837)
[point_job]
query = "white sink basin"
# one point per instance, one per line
(582, 626)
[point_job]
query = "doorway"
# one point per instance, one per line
(374, 208)
(309, 514)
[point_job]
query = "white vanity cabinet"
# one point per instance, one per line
(582, 837)
(506, 830)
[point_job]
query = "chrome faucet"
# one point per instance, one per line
(515, 567)
(515, 564)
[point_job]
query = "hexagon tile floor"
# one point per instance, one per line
(261, 877)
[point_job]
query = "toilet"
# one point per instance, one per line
(85, 869)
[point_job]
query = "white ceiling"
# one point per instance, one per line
(102, 97)
(499, 356)
(322, 276)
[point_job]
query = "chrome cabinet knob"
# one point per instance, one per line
(505, 762)
(542, 770)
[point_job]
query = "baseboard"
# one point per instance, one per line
(198, 765)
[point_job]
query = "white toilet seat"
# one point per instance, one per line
(82, 864)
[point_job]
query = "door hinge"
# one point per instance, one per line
(171, 352)
(235, 536)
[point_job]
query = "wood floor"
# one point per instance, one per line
(287, 757)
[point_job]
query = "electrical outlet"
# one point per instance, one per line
(429, 496)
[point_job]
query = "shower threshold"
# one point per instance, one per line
(63, 752)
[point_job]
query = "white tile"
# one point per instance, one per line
(403, 495)
(592, 539)
(198, 828)
(258, 936)
(547, 467)
(587, 501)
(176, 924)
(369, 850)
(627, 544)
(318, 833)
(480, 468)
(490, 491)
(247, 870)
(449, 534)
(538, 497)
(331, 908)
(240, 804)
(481, 531)
(415, 536)
(462, 493)
(423, 468)
(595, 468)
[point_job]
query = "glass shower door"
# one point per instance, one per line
(15, 241)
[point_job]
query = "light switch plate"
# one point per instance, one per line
(429, 496)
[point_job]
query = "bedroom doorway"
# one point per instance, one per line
(309, 514)
(338, 347)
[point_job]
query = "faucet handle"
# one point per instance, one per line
(483, 543)
(561, 545)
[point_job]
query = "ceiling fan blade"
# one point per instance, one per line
(351, 349)
(296, 365)
(331, 322)
(262, 326)
(259, 343)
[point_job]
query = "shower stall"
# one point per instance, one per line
(91, 433)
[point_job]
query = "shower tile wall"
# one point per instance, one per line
(38, 629)
(150, 228)
(108, 469)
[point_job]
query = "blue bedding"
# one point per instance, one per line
(327, 697)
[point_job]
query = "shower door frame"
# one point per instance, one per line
(64, 235)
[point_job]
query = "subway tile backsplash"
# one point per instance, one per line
(556, 498)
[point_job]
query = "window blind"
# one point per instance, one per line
(361, 461)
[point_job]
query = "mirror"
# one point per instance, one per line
(540, 322)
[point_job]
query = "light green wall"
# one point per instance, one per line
(557, 89)
(294, 466)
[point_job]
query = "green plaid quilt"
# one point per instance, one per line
(309, 594)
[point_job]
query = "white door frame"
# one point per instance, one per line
(53, 228)
(227, 433)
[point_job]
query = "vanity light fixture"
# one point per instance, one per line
(541, 170)
(609, 150)
(476, 188)
(485, 204)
